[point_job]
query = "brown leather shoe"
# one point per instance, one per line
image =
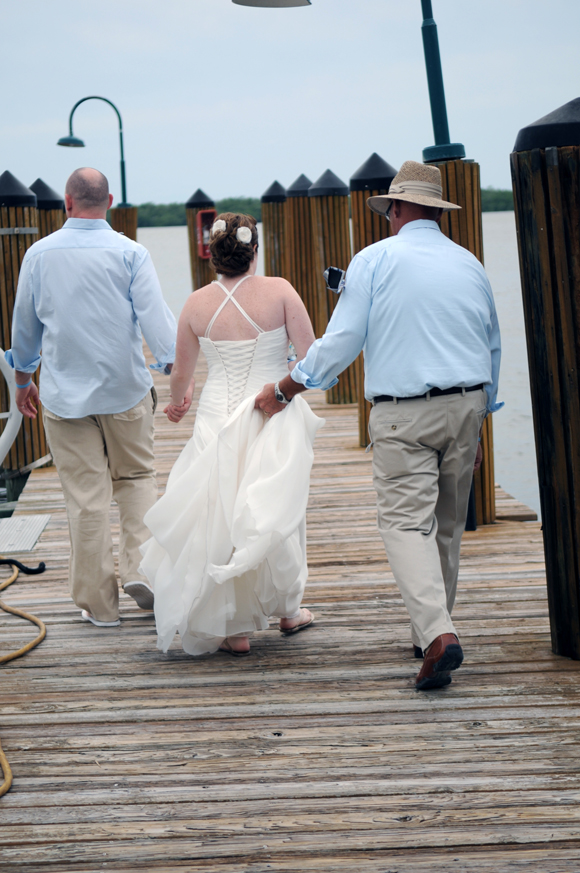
(443, 655)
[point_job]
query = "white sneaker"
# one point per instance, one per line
(86, 616)
(141, 592)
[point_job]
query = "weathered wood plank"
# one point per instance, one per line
(316, 747)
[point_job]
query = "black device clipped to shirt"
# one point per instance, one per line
(334, 277)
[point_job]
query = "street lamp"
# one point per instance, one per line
(273, 4)
(72, 141)
(443, 150)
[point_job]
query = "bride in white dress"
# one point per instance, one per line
(228, 546)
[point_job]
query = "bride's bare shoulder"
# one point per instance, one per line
(199, 296)
(274, 284)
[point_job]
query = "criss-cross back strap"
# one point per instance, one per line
(230, 296)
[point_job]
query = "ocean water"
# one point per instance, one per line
(515, 459)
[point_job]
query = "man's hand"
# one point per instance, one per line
(175, 413)
(478, 458)
(266, 401)
(27, 400)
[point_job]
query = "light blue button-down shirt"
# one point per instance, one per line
(422, 309)
(84, 294)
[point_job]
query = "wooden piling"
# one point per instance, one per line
(300, 244)
(18, 231)
(202, 272)
(329, 209)
(546, 181)
(124, 219)
(371, 179)
(461, 184)
(50, 205)
(274, 230)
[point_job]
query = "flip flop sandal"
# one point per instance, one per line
(86, 616)
(288, 631)
(225, 647)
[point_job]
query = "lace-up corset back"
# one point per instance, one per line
(239, 368)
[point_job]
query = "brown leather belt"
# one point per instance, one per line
(434, 392)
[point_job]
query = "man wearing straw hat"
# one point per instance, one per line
(422, 309)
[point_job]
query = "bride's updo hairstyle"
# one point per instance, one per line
(232, 242)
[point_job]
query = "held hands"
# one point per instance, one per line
(27, 400)
(175, 412)
(266, 401)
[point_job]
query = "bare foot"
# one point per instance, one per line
(236, 645)
(293, 625)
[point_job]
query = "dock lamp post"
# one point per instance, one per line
(72, 141)
(444, 149)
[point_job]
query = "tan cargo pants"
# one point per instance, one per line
(423, 457)
(100, 457)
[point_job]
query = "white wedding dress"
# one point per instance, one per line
(228, 546)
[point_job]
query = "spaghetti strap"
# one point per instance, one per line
(230, 296)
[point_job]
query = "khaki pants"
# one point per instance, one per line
(423, 458)
(100, 457)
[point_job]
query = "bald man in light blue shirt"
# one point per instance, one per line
(422, 310)
(86, 297)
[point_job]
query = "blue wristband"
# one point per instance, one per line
(26, 384)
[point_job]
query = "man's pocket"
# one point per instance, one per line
(137, 411)
(48, 414)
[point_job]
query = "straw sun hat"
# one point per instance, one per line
(415, 183)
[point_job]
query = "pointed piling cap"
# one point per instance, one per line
(276, 193)
(46, 197)
(559, 128)
(374, 175)
(300, 187)
(199, 200)
(14, 193)
(327, 184)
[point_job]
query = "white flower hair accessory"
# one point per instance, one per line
(217, 226)
(243, 235)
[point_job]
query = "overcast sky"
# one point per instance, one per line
(229, 98)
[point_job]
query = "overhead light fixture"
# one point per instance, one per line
(273, 4)
(71, 142)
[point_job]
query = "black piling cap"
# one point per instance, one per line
(276, 193)
(14, 193)
(327, 184)
(199, 200)
(46, 197)
(300, 187)
(559, 128)
(374, 175)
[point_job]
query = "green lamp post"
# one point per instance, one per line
(444, 149)
(72, 141)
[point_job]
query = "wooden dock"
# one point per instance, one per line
(315, 753)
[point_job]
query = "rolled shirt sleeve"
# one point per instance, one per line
(495, 350)
(156, 319)
(345, 335)
(26, 327)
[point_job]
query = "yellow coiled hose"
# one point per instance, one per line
(4, 765)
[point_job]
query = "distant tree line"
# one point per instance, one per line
(496, 200)
(171, 214)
